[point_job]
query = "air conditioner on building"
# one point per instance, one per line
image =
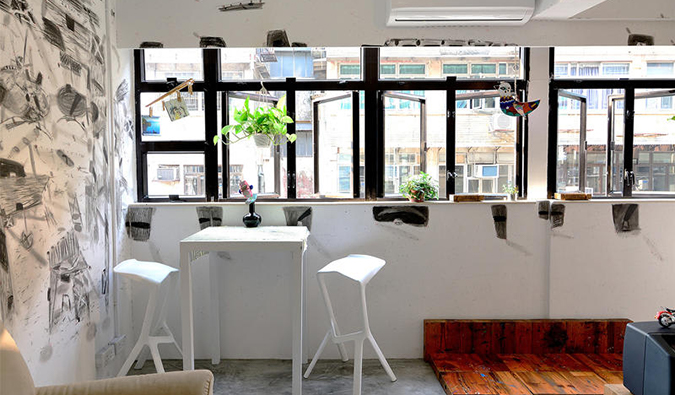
(168, 173)
(427, 13)
(486, 171)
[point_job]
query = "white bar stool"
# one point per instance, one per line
(360, 268)
(153, 275)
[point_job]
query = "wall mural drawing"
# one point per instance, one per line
(55, 205)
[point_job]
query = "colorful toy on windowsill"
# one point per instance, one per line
(666, 317)
(512, 107)
(247, 190)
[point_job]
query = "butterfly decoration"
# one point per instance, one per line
(247, 190)
(512, 107)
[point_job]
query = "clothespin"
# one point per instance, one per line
(163, 108)
(151, 109)
(190, 88)
(178, 96)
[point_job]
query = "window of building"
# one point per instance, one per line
(350, 69)
(483, 68)
(660, 69)
(455, 69)
(386, 69)
(412, 69)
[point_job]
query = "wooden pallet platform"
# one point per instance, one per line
(525, 357)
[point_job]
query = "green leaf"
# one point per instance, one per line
(216, 138)
(282, 102)
(286, 119)
(292, 137)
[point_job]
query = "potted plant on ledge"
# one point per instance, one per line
(419, 188)
(267, 125)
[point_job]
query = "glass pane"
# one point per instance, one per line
(654, 141)
(615, 62)
(617, 133)
(263, 167)
(332, 122)
(175, 174)
(159, 126)
(569, 150)
(387, 69)
(278, 63)
(485, 144)
(182, 64)
(403, 134)
(463, 62)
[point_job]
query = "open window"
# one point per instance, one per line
(405, 138)
(336, 146)
(261, 167)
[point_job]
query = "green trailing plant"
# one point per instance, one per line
(419, 188)
(673, 118)
(268, 121)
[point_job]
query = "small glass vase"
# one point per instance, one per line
(252, 219)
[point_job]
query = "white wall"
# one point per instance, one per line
(176, 23)
(454, 268)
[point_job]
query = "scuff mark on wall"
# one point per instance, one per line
(138, 222)
(557, 215)
(411, 215)
(499, 218)
(298, 215)
(625, 217)
(209, 216)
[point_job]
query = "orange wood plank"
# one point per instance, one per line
(465, 337)
(507, 383)
(433, 338)
(545, 383)
(562, 362)
(585, 382)
(598, 362)
(503, 339)
(518, 362)
(523, 330)
(452, 337)
(610, 377)
(481, 334)
(581, 337)
(619, 332)
(605, 333)
(466, 383)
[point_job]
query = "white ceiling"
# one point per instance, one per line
(607, 10)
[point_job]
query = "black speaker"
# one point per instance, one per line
(649, 359)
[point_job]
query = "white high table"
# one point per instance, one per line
(235, 238)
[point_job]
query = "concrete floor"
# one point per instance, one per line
(265, 377)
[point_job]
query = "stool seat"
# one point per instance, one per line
(359, 268)
(152, 272)
(154, 275)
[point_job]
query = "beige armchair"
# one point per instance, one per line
(15, 379)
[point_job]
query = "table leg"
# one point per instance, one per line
(215, 308)
(186, 308)
(298, 316)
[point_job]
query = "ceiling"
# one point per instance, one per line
(606, 10)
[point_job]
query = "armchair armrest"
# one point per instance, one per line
(196, 382)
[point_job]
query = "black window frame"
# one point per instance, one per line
(373, 88)
(629, 86)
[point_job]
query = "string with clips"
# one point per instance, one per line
(188, 83)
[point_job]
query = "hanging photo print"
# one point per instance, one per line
(176, 109)
(149, 125)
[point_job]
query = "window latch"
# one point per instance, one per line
(629, 178)
(450, 174)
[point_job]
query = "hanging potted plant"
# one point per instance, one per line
(419, 188)
(267, 125)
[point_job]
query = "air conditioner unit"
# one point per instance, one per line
(486, 171)
(168, 173)
(427, 13)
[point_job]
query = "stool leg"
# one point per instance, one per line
(155, 357)
(358, 360)
(173, 338)
(380, 356)
(142, 357)
(317, 355)
(145, 333)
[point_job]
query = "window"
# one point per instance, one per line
(455, 69)
(660, 69)
(334, 99)
(591, 126)
(412, 69)
(350, 69)
(483, 68)
(387, 69)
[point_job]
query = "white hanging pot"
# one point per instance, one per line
(262, 140)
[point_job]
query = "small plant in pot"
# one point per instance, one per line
(267, 125)
(419, 188)
(511, 190)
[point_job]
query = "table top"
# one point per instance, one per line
(240, 234)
